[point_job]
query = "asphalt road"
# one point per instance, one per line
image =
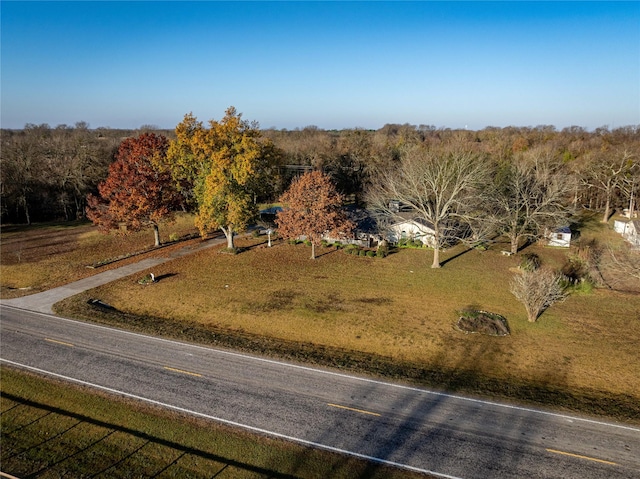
(417, 429)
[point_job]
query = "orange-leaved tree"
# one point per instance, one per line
(135, 193)
(313, 209)
(220, 170)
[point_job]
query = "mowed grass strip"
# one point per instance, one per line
(39, 257)
(55, 429)
(393, 317)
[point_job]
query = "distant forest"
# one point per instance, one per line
(46, 172)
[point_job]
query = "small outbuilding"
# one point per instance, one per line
(560, 237)
(630, 231)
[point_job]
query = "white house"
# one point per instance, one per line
(559, 237)
(411, 227)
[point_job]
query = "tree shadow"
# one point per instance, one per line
(457, 255)
(165, 276)
(429, 433)
(146, 439)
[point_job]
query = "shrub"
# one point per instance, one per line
(337, 244)
(371, 254)
(255, 233)
(307, 242)
(173, 237)
(293, 241)
(362, 252)
(530, 262)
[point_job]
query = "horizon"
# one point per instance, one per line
(332, 65)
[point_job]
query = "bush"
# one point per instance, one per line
(337, 244)
(371, 254)
(293, 241)
(173, 237)
(255, 233)
(307, 242)
(362, 252)
(324, 243)
(530, 262)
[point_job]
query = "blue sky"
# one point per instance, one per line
(330, 64)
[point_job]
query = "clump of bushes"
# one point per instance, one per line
(530, 262)
(410, 243)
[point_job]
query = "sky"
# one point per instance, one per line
(330, 64)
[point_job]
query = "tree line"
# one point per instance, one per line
(47, 172)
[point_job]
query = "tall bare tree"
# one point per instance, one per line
(605, 171)
(531, 194)
(440, 186)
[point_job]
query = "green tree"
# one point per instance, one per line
(221, 170)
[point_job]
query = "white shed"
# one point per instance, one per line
(559, 237)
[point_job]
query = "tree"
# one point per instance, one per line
(530, 196)
(537, 289)
(443, 187)
(313, 209)
(135, 192)
(220, 170)
(605, 172)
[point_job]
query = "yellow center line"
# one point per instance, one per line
(582, 457)
(353, 409)
(58, 342)
(183, 372)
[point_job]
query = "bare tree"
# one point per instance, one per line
(605, 172)
(621, 265)
(531, 195)
(440, 186)
(537, 289)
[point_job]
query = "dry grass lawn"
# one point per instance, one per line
(400, 308)
(44, 256)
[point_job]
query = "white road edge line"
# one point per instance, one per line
(236, 424)
(342, 375)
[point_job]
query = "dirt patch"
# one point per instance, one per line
(483, 322)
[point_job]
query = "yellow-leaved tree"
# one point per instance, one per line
(221, 170)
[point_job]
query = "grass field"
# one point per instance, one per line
(53, 430)
(44, 256)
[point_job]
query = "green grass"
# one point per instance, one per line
(52, 429)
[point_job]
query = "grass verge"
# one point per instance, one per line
(53, 429)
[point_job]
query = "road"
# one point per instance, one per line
(441, 434)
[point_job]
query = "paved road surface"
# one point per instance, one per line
(446, 435)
